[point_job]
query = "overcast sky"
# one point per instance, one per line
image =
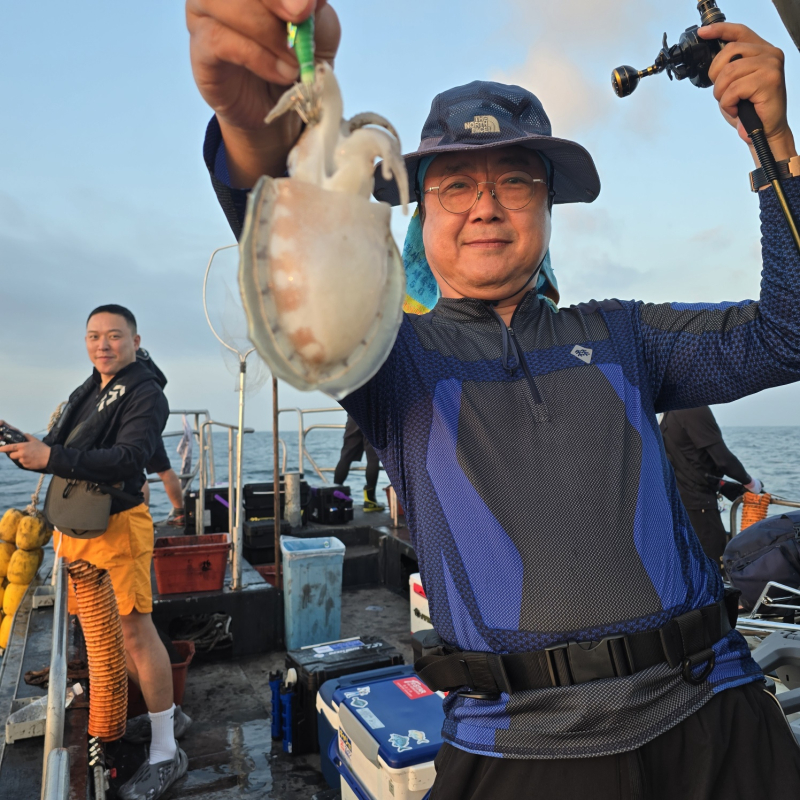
(104, 196)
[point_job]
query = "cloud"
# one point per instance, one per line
(572, 100)
(571, 48)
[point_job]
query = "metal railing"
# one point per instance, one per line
(206, 454)
(234, 496)
(56, 779)
(57, 687)
(302, 435)
(774, 500)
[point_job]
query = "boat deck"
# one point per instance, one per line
(230, 747)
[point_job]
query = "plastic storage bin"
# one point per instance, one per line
(191, 563)
(328, 711)
(312, 590)
(389, 735)
(420, 610)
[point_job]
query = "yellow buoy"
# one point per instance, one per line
(31, 532)
(5, 630)
(12, 598)
(23, 566)
(8, 525)
(7, 549)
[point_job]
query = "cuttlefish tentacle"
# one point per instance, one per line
(354, 159)
(339, 154)
(368, 118)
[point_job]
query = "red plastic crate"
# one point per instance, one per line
(136, 704)
(266, 571)
(191, 563)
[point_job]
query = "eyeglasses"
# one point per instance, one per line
(513, 190)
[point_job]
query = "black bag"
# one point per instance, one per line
(766, 551)
(80, 509)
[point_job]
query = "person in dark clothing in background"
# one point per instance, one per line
(354, 446)
(701, 459)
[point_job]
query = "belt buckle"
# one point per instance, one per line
(591, 661)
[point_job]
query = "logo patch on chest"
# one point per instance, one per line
(583, 353)
(113, 394)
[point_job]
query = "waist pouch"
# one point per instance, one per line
(81, 509)
(684, 641)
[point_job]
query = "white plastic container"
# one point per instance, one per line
(420, 610)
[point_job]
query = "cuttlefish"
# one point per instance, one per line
(321, 277)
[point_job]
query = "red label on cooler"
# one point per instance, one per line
(413, 688)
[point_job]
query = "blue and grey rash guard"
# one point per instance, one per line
(538, 495)
(539, 498)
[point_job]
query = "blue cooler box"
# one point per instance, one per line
(390, 731)
(328, 711)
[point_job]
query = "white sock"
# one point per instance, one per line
(163, 745)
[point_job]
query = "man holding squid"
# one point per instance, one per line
(585, 637)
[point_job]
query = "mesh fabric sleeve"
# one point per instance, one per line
(233, 201)
(704, 353)
(378, 407)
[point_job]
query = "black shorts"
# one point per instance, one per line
(160, 461)
(738, 746)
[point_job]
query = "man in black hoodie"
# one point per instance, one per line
(121, 412)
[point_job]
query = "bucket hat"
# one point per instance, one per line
(484, 114)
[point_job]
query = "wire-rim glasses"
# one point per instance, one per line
(513, 190)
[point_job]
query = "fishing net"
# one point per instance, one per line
(227, 318)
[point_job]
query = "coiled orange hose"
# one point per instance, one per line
(754, 508)
(105, 650)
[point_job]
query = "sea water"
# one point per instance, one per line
(769, 453)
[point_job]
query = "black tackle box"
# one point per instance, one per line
(316, 664)
(259, 500)
(331, 505)
(216, 510)
(258, 546)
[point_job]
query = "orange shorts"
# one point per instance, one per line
(125, 550)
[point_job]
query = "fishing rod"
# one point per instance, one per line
(691, 58)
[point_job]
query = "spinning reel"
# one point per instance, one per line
(689, 58)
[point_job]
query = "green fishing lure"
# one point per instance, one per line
(301, 40)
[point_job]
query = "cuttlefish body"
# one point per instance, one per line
(321, 278)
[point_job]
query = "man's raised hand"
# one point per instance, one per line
(757, 76)
(242, 65)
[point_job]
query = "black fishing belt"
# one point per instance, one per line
(685, 642)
